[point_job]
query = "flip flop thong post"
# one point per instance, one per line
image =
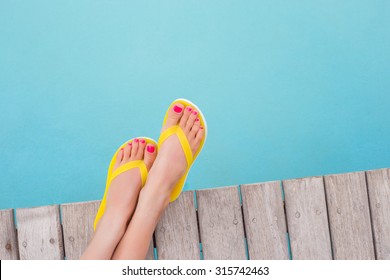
(123, 168)
(184, 143)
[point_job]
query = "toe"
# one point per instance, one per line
(134, 149)
(191, 120)
(174, 114)
(126, 152)
(119, 156)
(199, 135)
(185, 117)
(141, 148)
(194, 129)
(130, 144)
(150, 155)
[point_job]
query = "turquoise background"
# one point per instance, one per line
(289, 88)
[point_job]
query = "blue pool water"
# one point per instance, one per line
(289, 89)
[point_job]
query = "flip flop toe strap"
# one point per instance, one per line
(130, 165)
(183, 141)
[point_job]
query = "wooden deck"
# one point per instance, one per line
(343, 216)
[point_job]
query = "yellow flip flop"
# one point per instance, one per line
(125, 167)
(184, 143)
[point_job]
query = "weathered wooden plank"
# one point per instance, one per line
(307, 219)
(177, 232)
(77, 223)
(40, 233)
(349, 216)
(220, 223)
(379, 193)
(265, 222)
(8, 240)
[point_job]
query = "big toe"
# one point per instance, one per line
(174, 114)
(150, 155)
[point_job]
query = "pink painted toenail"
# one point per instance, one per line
(201, 127)
(129, 143)
(143, 141)
(121, 149)
(150, 149)
(177, 109)
(189, 109)
(195, 112)
(136, 140)
(197, 120)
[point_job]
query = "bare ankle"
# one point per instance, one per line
(154, 200)
(112, 222)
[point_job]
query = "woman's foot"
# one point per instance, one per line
(171, 163)
(124, 189)
(122, 198)
(168, 168)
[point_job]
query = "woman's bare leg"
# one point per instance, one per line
(122, 198)
(168, 168)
